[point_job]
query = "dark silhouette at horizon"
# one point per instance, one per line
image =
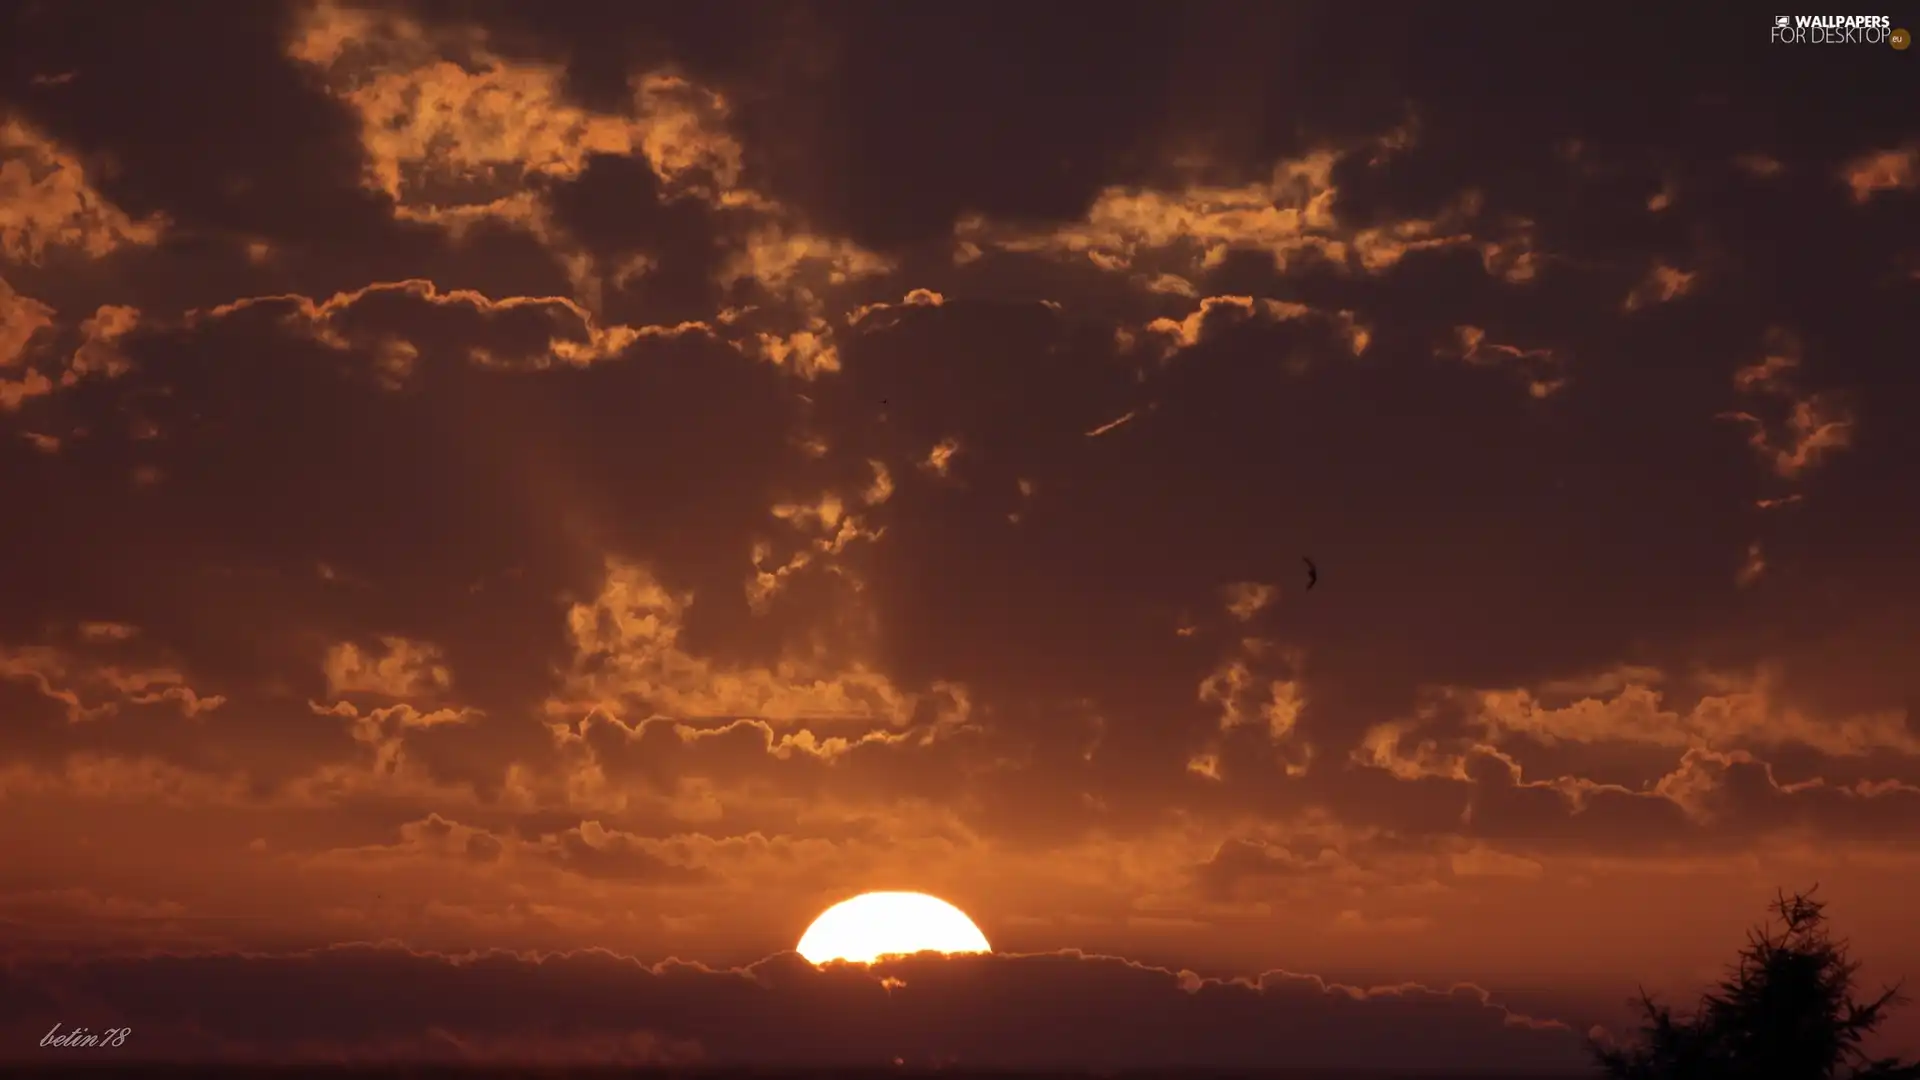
(1785, 1011)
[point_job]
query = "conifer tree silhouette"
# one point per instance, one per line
(1785, 1011)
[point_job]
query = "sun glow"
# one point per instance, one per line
(878, 924)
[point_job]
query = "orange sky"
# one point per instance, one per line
(575, 480)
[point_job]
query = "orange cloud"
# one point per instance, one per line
(1354, 921)
(1214, 314)
(627, 653)
(1542, 369)
(1708, 797)
(1662, 284)
(829, 524)
(1250, 694)
(22, 318)
(1245, 599)
(520, 331)
(25, 325)
(47, 202)
(100, 336)
(1270, 866)
(1114, 424)
(395, 320)
(1735, 788)
(1632, 705)
(386, 764)
(1870, 174)
(939, 459)
(885, 314)
(1752, 567)
(88, 688)
(796, 265)
(807, 354)
(423, 114)
(400, 668)
(1816, 425)
(1172, 236)
(1483, 861)
(456, 134)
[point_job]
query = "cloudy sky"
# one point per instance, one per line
(499, 496)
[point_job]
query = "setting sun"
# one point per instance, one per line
(878, 924)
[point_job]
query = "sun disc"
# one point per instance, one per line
(876, 924)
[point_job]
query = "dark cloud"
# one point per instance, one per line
(279, 161)
(1055, 1010)
(620, 212)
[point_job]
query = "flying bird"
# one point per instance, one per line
(1313, 572)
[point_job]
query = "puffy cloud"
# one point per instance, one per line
(878, 315)
(1259, 689)
(1245, 599)
(1291, 217)
(24, 326)
(50, 205)
(627, 648)
(458, 135)
(430, 122)
(99, 352)
(1214, 313)
(1640, 705)
(398, 668)
(22, 318)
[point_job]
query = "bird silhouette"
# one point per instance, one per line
(1313, 572)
